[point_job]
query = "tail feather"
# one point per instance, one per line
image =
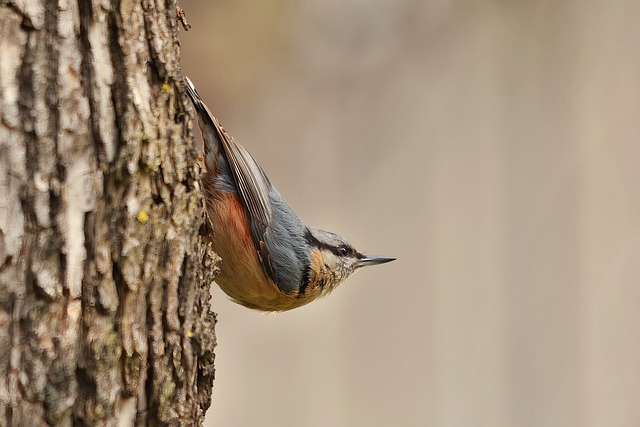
(192, 92)
(208, 124)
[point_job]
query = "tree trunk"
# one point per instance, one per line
(104, 280)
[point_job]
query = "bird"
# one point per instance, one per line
(272, 261)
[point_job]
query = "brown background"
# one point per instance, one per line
(493, 147)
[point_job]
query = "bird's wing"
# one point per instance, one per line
(253, 189)
(251, 182)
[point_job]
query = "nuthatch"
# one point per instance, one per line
(271, 260)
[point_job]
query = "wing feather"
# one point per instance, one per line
(252, 183)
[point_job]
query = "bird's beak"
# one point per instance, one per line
(374, 260)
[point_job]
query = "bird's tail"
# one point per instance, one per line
(211, 131)
(192, 92)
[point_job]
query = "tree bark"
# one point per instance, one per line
(104, 280)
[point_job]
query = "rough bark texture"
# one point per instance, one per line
(104, 296)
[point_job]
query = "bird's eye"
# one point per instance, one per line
(343, 250)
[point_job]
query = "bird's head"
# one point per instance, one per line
(333, 259)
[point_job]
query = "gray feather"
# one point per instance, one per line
(287, 247)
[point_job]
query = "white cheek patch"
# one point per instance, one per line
(331, 261)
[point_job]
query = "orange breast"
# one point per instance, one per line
(242, 276)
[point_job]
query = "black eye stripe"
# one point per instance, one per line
(345, 250)
(336, 250)
(342, 250)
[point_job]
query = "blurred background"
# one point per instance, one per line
(493, 147)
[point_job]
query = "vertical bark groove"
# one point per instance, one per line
(88, 78)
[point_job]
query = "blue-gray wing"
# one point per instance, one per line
(252, 183)
(253, 189)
